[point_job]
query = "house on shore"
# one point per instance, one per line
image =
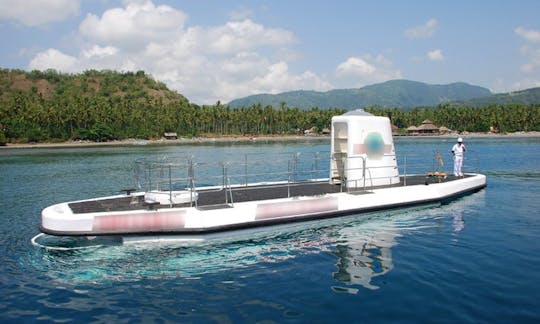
(412, 130)
(427, 128)
(170, 136)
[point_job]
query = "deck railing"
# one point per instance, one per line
(288, 168)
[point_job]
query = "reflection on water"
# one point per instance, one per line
(362, 246)
(458, 222)
(365, 258)
(366, 252)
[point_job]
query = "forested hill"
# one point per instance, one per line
(106, 105)
(391, 94)
(94, 105)
(111, 85)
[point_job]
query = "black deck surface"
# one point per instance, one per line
(212, 199)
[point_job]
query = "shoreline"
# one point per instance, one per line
(243, 139)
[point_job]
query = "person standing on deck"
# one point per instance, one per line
(459, 151)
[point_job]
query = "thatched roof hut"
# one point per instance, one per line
(170, 135)
(428, 127)
(412, 130)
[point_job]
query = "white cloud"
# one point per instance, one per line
(526, 84)
(355, 66)
(244, 65)
(530, 35)
(365, 70)
(242, 35)
(435, 55)
(53, 59)
(530, 70)
(245, 74)
(533, 56)
(423, 31)
(38, 12)
(134, 26)
(531, 52)
(278, 79)
(98, 51)
(205, 63)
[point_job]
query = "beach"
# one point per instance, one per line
(242, 139)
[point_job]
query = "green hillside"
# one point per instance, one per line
(107, 105)
(94, 105)
(116, 86)
(392, 94)
(524, 97)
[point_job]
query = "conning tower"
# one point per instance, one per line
(362, 151)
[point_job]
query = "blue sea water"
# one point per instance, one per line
(474, 260)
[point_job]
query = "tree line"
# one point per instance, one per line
(503, 118)
(107, 105)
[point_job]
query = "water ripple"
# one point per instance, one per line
(128, 263)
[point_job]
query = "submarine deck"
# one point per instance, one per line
(221, 198)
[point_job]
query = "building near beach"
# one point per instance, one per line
(427, 128)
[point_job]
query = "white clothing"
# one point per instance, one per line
(458, 150)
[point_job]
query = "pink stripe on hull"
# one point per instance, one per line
(148, 221)
(297, 207)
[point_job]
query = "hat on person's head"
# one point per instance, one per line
(460, 140)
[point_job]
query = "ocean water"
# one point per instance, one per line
(474, 260)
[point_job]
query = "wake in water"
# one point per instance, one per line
(525, 175)
(361, 245)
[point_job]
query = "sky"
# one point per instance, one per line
(212, 50)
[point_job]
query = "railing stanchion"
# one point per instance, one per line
(405, 170)
(246, 169)
(170, 186)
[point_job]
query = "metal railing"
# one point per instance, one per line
(171, 174)
(288, 168)
(412, 162)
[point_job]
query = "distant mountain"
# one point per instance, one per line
(525, 97)
(392, 94)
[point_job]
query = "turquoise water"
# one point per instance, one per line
(473, 260)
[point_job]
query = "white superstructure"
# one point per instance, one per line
(363, 150)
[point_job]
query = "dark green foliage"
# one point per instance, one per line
(98, 133)
(104, 105)
(504, 118)
(3, 139)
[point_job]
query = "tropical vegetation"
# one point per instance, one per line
(502, 118)
(40, 106)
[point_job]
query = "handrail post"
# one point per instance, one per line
(364, 172)
(170, 186)
(295, 166)
(289, 187)
(225, 181)
(191, 181)
(246, 169)
(405, 170)
(316, 171)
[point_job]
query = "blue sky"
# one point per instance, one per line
(222, 50)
